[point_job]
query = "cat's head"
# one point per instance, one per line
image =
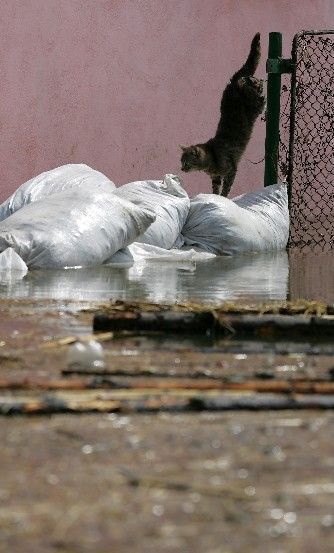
(192, 158)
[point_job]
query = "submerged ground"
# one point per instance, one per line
(260, 277)
(162, 480)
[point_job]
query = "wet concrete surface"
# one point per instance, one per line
(212, 482)
(185, 482)
(169, 482)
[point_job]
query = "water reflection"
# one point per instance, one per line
(261, 276)
(311, 276)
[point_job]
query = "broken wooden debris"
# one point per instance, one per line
(68, 340)
(217, 323)
(153, 394)
(160, 403)
(259, 402)
(53, 405)
(156, 385)
(292, 326)
(173, 322)
(298, 307)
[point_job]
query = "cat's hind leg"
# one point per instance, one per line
(216, 184)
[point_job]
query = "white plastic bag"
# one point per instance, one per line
(86, 355)
(12, 267)
(254, 222)
(170, 203)
(142, 251)
(73, 228)
(66, 177)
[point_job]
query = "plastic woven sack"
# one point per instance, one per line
(170, 203)
(73, 228)
(254, 222)
(73, 176)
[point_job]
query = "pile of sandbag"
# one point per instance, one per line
(74, 216)
(70, 217)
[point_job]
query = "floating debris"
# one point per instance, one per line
(295, 320)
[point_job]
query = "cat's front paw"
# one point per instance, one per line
(257, 84)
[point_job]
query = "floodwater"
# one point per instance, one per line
(259, 277)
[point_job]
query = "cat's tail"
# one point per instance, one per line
(251, 63)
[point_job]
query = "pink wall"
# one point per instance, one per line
(118, 84)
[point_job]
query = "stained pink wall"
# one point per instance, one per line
(118, 84)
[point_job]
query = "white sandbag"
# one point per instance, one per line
(73, 228)
(66, 177)
(254, 222)
(123, 259)
(170, 203)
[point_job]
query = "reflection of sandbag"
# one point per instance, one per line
(170, 203)
(254, 222)
(72, 176)
(261, 276)
(99, 283)
(73, 228)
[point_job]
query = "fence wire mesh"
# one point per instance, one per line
(307, 141)
(283, 153)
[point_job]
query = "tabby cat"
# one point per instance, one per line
(241, 103)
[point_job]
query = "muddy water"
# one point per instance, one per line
(272, 276)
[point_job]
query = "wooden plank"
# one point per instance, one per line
(171, 402)
(156, 385)
(264, 326)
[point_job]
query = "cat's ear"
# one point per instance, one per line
(197, 151)
(183, 148)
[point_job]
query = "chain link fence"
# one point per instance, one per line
(306, 154)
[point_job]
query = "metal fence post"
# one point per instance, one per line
(273, 108)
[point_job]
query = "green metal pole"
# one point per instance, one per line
(273, 110)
